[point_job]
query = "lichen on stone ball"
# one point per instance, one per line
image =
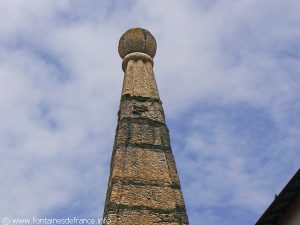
(137, 40)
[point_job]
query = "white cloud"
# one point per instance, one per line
(60, 78)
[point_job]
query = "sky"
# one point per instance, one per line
(228, 76)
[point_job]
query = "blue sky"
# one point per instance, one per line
(228, 76)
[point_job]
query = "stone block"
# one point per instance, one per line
(139, 80)
(144, 165)
(149, 134)
(138, 109)
(122, 133)
(145, 217)
(165, 198)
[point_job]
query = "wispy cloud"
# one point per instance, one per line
(228, 74)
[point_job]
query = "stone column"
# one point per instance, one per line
(143, 187)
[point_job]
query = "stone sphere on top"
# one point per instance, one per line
(137, 40)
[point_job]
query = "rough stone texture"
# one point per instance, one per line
(142, 165)
(165, 198)
(132, 108)
(143, 187)
(149, 134)
(139, 80)
(137, 40)
(145, 217)
(134, 131)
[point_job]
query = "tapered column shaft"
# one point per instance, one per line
(144, 187)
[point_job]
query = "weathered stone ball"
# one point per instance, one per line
(137, 40)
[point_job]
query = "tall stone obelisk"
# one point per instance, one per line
(144, 187)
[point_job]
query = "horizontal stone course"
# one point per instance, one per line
(142, 109)
(133, 216)
(130, 181)
(142, 131)
(126, 97)
(142, 164)
(164, 198)
(139, 80)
